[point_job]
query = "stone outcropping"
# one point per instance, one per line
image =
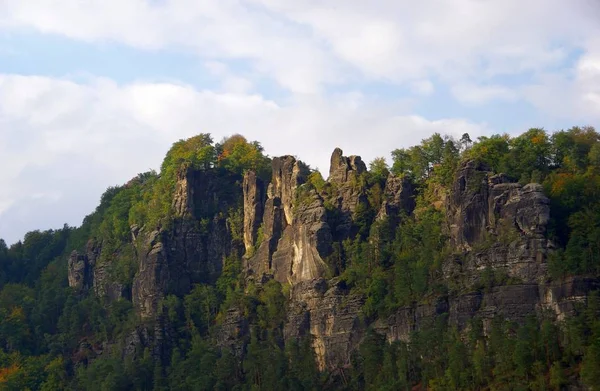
(481, 203)
(193, 249)
(497, 228)
(398, 198)
(344, 169)
(78, 271)
(88, 271)
(253, 209)
(344, 176)
(499, 224)
(511, 302)
(327, 312)
(295, 234)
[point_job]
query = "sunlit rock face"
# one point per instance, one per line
(295, 236)
(289, 230)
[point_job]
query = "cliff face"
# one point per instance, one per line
(289, 230)
(87, 271)
(325, 311)
(344, 175)
(499, 225)
(295, 236)
(499, 228)
(193, 249)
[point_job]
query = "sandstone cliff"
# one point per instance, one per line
(289, 231)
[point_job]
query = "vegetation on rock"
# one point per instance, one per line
(231, 334)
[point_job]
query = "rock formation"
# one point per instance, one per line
(501, 224)
(398, 198)
(289, 230)
(194, 247)
(344, 175)
(295, 233)
(253, 209)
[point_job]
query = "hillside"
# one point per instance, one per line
(463, 265)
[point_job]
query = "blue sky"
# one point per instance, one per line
(93, 92)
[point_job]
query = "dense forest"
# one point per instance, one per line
(57, 337)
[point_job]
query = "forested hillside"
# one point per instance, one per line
(463, 265)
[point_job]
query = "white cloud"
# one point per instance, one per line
(422, 87)
(303, 44)
(59, 134)
(64, 152)
(574, 95)
(476, 95)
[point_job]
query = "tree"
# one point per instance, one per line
(492, 150)
(465, 141)
(379, 169)
(236, 154)
(531, 151)
(197, 152)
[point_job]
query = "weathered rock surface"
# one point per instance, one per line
(481, 203)
(87, 271)
(234, 332)
(398, 198)
(193, 248)
(467, 209)
(296, 236)
(326, 311)
(253, 208)
(511, 302)
(78, 271)
(343, 169)
(498, 224)
(344, 175)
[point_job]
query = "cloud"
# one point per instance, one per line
(422, 87)
(67, 141)
(572, 95)
(306, 44)
(474, 95)
(58, 134)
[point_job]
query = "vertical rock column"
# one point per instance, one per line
(253, 209)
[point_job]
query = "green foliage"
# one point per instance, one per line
(435, 154)
(316, 181)
(201, 307)
(491, 150)
(379, 169)
(238, 155)
(440, 358)
(49, 334)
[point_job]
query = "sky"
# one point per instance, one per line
(93, 92)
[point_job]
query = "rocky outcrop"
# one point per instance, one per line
(398, 198)
(344, 176)
(78, 272)
(331, 316)
(90, 271)
(562, 297)
(497, 228)
(513, 302)
(296, 236)
(343, 169)
(311, 239)
(467, 209)
(193, 248)
(253, 208)
(481, 203)
(234, 332)
(288, 174)
(499, 224)
(149, 284)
